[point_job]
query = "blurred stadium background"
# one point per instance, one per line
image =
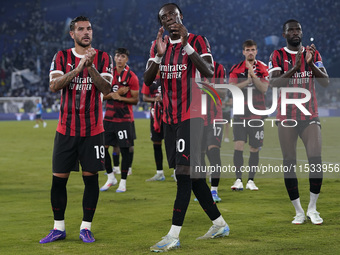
(31, 32)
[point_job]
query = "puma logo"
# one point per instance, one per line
(72, 66)
(187, 157)
(288, 61)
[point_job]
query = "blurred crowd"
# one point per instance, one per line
(31, 32)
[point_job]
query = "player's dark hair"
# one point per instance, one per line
(289, 21)
(79, 18)
(122, 51)
(179, 9)
(249, 43)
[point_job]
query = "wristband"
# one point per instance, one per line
(188, 49)
(158, 59)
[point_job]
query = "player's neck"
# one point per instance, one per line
(293, 48)
(80, 49)
(119, 69)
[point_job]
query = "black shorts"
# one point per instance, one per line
(134, 136)
(69, 151)
(242, 132)
(119, 134)
(212, 135)
(38, 116)
(226, 116)
(155, 136)
(300, 125)
(182, 143)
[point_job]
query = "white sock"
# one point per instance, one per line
(312, 202)
(111, 176)
(122, 183)
(297, 206)
(219, 221)
(116, 168)
(174, 231)
(85, 224)
(160, 172)
(59, 224)
(213, 188)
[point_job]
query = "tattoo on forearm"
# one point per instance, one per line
(100, 83)
(61, 82)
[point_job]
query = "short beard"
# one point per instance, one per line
(82, 44)
(294, 43)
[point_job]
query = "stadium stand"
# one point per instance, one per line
(31, 31)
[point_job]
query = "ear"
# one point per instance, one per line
(72, 34)
(284, 35)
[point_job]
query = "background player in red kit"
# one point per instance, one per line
(250, 73)
(82, 74)
(118, 120)
(180, 57)
(298, 66)
(213, 132)
(153, 94)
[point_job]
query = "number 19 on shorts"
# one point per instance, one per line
(100, 151)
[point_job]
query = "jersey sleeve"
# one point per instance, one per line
(145, 90)
(263, 72)
(57, 65)
(202, 46)
(107, 66)
(220, 74)
(274, 62)
(153, 51)
(318, 60)
(134, 82)
(233, 75)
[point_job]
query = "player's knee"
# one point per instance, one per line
(182, 170)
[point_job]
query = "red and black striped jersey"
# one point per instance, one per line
(181, 94)
(117, 111)
(214, 106)
(283, 60)
(239, 73)
(81, 112)
(154, 90)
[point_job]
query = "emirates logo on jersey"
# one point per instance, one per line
(172, 71)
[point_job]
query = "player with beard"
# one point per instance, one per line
(82, 74)
(250, 73)
(181, 57)
(298, 66)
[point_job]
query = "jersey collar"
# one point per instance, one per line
(76, 54)
(293, 52)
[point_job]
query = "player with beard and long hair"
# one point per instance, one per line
(296, 66)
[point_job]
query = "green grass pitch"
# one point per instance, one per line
(131, 222)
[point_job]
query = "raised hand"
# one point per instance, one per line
(90, 55)
(161, 43)
(81, 64)
(179, 29)
(310, 53)
(298, 59)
